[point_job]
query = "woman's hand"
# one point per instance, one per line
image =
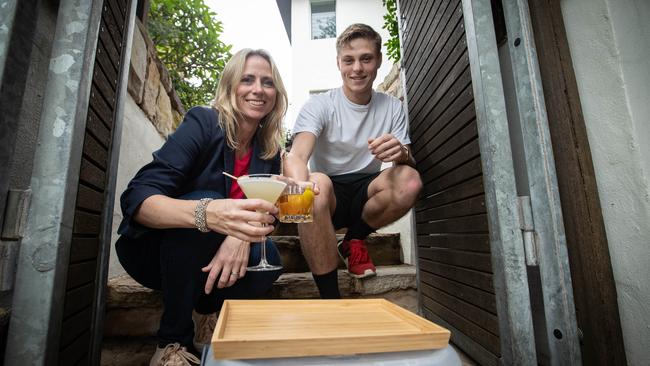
(228, 264)
(240, 218)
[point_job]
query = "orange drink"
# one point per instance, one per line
(296, 203)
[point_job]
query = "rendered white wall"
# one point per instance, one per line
(610, 49)
(314, 61)
(139, 139)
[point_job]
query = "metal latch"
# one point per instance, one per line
(527, 227)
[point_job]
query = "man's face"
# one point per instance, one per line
(358, 62)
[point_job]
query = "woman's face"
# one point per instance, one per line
(256, 91)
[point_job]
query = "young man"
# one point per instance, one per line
(348, 133)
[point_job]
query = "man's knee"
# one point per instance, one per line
(413, 182)
(409, 184)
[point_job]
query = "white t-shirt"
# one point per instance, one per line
(343, 128)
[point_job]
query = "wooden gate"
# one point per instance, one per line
(87, 271)
(456, 280)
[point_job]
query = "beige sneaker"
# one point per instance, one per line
(204, 325)
(173, 355)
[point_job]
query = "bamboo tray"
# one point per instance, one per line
(297, 328)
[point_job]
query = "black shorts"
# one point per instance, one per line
(351, 191)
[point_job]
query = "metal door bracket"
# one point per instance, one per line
(18, 201)
(528, 229)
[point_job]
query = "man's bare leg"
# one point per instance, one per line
(391, 195)
(318, 239)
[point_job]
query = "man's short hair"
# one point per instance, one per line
(358, 30)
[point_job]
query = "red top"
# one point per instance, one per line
(241, 168)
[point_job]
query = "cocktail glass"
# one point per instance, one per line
(267, 187)
(296, 202)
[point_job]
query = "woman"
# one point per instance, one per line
(186, 229)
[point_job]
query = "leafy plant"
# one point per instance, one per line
(186, 34)
(328, 29)
(287, 138)
(390, 24)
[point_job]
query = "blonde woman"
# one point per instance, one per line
(187, 229)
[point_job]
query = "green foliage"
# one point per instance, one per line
(390, 24)
(327, 30)
(186, 34)
(286, 139)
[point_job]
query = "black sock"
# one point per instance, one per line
(328, 285)
(359, 230)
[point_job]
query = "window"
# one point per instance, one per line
(323, 19)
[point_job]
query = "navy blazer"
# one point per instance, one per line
(192, 159)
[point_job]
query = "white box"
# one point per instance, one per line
(439, 357)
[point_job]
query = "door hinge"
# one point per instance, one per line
(527, 226)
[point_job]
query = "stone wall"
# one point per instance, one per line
(392, 84)
(150, 85)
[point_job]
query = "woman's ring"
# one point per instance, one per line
(234, 274)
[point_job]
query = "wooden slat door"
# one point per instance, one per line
(82, 286)
(591, 269)
(454, 261)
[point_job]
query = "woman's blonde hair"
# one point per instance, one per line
(269, 133)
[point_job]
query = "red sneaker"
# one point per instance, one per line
(355, 255)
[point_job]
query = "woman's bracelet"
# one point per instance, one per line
(199, 215)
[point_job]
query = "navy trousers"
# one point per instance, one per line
(171, 260)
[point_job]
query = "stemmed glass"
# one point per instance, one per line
(267, 187)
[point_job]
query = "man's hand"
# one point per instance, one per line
(240, 218)
(295, 161)
(228, 264)
(388, 149)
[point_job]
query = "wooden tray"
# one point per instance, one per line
(297, 328)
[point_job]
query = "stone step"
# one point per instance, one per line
(384, 249)
(394, 283)
(133, 310)
(132, 351)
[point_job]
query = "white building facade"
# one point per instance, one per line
(313, 27)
